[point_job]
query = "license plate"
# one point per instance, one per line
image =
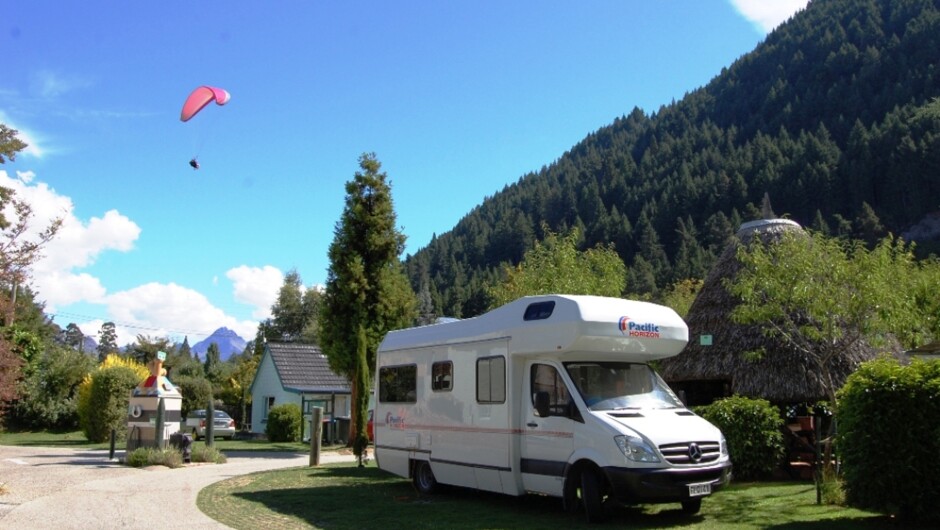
(697, 490)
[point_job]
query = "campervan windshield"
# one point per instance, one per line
(620, 385)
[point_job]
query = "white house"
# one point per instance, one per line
(298, 373)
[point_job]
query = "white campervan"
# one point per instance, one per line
(551, 395)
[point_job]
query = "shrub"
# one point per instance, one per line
(148, 456)
(48, 397)
(832, 488)
(752, 428)
(104, 405)
(196, 392)
(204, 453)
(889, 438)
(284, 423)
(139, 457)
(84, 406)
(170, 458)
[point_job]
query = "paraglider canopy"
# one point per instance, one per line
(201, 97)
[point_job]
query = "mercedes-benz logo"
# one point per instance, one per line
(695, 453)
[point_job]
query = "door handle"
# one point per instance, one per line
(532, 424)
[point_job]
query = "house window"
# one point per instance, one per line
(491, 380)
(268, 404)
(311, 403)
(442, 376)
(398, 384)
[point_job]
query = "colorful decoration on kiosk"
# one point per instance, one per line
(157, 382)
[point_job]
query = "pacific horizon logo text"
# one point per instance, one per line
(633, 329)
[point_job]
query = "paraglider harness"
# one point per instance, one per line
(194, 163)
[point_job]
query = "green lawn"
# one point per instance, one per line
(52, 439)
(343, 496)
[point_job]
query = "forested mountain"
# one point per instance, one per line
(834, 120)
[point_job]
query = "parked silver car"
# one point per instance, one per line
(223, 426)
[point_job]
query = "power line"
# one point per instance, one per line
(85, 318)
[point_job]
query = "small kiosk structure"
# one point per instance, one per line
(145, 427)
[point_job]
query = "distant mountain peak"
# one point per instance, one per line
(228, 341)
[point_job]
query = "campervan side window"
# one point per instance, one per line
(545, 378)
(397, 384)
(442, 376)
(539, 310)
(491, 380)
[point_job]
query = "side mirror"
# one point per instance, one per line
(542, 400)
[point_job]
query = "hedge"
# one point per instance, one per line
(889, 438)
(752, 428)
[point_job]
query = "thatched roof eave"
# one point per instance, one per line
(779, 374)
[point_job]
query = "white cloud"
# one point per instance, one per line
(66, 288)
(257, 287)
(169, 310)
(768, 14)
(153, 309)
(76, 245)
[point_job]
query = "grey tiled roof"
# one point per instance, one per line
(304, 368)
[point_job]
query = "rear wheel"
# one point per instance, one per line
(423, 478)
(591, 497)
(691, 506)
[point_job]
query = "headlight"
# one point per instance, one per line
(724, 446)
(635, 449)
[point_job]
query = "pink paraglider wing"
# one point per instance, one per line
(201, 97)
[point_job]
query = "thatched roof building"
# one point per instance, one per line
(714, 364)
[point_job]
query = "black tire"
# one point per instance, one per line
(591, 496)
(691, 506)
(423, 478)
(570, 500)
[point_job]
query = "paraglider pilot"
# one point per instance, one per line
(194, 163)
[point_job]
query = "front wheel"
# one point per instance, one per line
(423, 478)
(591, 497)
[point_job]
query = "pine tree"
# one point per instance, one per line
(213, 365)
(74, 338)
(367, 293)
(107, 341)
(820, 225)
(867, 226)
(185, 349)
(310, 331)
(652, 251)
(288, 310)
(692, 260)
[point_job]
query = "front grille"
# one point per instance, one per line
(680, 454)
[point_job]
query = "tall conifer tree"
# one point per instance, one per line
(367, 293)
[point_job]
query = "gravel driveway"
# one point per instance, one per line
(42, 487)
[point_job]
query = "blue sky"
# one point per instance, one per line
(457, 100)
